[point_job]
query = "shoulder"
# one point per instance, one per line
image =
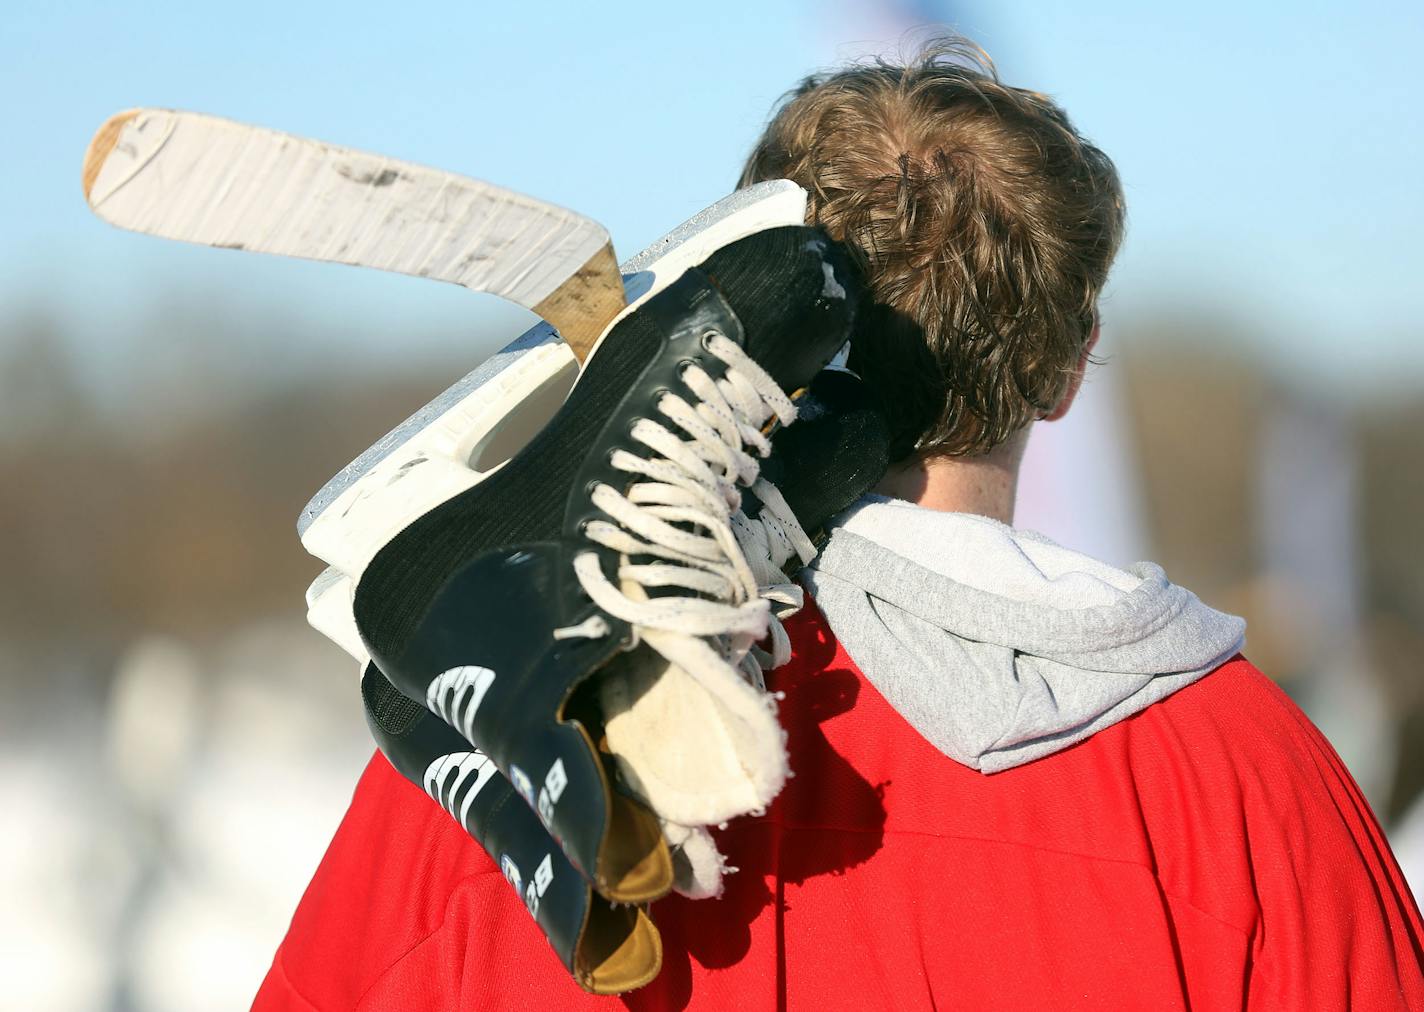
(1236, 694)
(1234, 742)
(1292, 845)
(1260, 819)
(1236, 734)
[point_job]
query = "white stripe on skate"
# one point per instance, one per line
(467, 764)
(456, 696)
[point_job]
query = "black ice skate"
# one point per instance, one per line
(612, 529)
(835, 452)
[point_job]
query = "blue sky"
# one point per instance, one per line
(1271, 151)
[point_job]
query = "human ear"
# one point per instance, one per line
(1076, 381)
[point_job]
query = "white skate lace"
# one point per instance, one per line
(768, 541)
(686, 513)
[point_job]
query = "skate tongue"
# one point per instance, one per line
(692, 738)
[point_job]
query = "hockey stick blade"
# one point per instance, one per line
(201, 179)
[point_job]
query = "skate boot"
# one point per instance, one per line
(609, 536)
(835, 452)
(468, 431)
(607, 948)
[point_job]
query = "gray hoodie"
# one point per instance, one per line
(998, 645)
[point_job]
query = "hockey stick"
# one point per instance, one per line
(201, 179)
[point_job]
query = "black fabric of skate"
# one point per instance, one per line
(607, 948)
(460, 609)
(837, 450)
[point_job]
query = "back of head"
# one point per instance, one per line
(986, 226)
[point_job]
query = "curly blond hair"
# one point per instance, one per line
(986, 226)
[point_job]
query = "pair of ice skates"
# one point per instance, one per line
(558, 594)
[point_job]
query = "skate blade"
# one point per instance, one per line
(450, 445)
(467, 432)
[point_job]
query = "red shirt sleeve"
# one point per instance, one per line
(1258, 823)
(1338, 927)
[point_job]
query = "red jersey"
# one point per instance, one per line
(1211, 852)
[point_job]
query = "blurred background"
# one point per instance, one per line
(176, 747)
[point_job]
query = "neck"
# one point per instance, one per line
(984, 485)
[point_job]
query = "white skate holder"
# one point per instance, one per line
(467, 432)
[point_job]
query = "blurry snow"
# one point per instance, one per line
(215, 777)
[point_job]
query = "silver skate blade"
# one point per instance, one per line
(473, 427)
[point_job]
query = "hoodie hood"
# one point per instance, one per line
(998, 645)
